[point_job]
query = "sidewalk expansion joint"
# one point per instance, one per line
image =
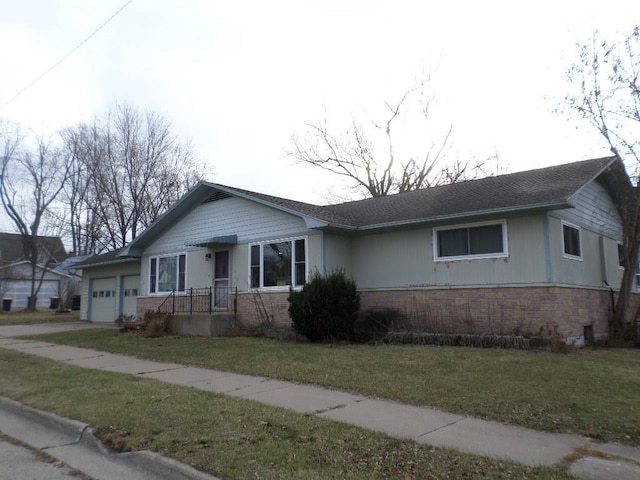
(247, 386)
(336, 407)
(160, 371)
(439, 428)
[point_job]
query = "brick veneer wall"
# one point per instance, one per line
(253, 308)
(148, 303)
(502, 310)
(257, 308)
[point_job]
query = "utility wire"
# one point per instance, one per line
(66, 56)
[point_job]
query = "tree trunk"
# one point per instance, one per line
(33, 300)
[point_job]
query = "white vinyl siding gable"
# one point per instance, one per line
(595, 210)
(248, 220)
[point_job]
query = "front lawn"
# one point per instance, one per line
(232, 437)
(589, 392)
(14, 317)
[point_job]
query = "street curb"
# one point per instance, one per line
(82, 433)
(66, 426)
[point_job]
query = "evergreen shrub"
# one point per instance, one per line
(326, 309)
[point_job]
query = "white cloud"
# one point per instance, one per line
(240, 77)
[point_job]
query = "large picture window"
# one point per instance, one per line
(278, 264)
(571, 241)
(471, 241)
(167, 273)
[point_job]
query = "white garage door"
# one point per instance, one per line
(103, 300)
(20, 290)
(130, 289)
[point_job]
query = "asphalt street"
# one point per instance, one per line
(20, 461)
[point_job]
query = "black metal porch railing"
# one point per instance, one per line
(200, 300)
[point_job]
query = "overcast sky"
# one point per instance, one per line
(238, 78)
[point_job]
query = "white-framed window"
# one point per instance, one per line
(278, 263)
(167, 273)
(620, 256)
(571, 241)
(475, 240)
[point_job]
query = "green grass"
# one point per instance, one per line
(589, 392)
(232, 437)
(15, 317)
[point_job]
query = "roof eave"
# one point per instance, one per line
(594, 177)
(468, 215)
(109, 262)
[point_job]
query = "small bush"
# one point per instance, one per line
(152, 324)
(156, 324)
(326, 308)
(374, 324)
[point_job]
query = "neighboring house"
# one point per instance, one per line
(15, 271)
(526, 252)
(15, 280)
(73, 285)
(51, 249)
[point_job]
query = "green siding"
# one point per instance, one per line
(405, 259)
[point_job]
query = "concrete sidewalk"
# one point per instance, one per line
(422, 424)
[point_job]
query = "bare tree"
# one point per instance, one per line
(7, 276)
(32, 178)
(129, 168)
(373, 168)
(84, 227)
(605, 81)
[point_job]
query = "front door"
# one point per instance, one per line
(221, 280)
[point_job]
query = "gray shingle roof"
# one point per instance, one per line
(11, 248)
(544, 188)
(103, 259)
(326, 213)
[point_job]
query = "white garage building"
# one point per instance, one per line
(16, 284)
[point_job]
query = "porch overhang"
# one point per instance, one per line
(222, 241)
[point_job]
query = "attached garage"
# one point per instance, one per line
(130, 292)
(110, 286)
(102, 300)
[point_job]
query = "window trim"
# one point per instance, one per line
(293, 264)
(169, 255)
(575, 227)
(505, 241)
(620, 258)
